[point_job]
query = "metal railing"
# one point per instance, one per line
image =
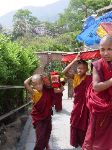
(14, 111)
(5, 87)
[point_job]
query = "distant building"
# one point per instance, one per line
(41, 30)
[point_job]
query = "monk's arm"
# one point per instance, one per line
(69, 75)
(67, 68)
(100, 86)
(28, 86)
(60, 90)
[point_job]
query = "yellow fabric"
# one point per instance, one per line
(36, 96)
(101, 32)
(77, 80)
(62, 79)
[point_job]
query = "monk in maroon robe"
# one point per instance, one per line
(58, 95)
(58, 101)
(99, 132)
(41, 111)
(41, 116)
(80, 112)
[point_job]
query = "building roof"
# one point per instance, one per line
(104, 9)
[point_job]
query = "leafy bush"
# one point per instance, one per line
(16, 64)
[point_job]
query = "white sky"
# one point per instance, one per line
(10, 5)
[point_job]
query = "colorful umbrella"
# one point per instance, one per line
(84, 55)
(89, 34)
(104, 29)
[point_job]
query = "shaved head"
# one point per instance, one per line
(37, 82)
(36, 77)
(106, 48)
(106, 40)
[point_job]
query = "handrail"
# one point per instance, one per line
(11, 87)
(14, 111)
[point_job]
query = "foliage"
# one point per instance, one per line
(54, 66)
(16, 64)
(17, 61)
(24, 23)
(77, 10)
(62, 42)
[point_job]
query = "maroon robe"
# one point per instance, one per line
(80, 114)
(58, 101)
(99, 132)
(41, 117)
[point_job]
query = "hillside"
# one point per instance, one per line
(46, 13)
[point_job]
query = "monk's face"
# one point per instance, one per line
(82, 69)
(106, 50)
(38, 84)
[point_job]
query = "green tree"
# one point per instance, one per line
(89, 6)
(24, 23)
(77, 10)
(16, 62)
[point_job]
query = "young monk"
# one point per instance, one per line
(58, 99)
(41, 111)
(80, 113)
(99, 133)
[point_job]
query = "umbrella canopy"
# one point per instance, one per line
(89, 34)
(84, 55)
(104, 29)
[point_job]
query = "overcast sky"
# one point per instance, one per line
(10, 5)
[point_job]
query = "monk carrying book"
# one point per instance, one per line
(80, 113)
(42, 98)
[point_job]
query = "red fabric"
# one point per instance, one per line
(99, 132)
(58, 101)
(42, 109)
(55, 79)
(46, 81)
(77, 135)
(107, 27)
(54, 73)
(43, 130)
(100, 106)
(84, 55)
(80, 113)
(100, 101)
(107, 69)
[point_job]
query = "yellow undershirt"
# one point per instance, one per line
(77, 80)
(36, 96)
